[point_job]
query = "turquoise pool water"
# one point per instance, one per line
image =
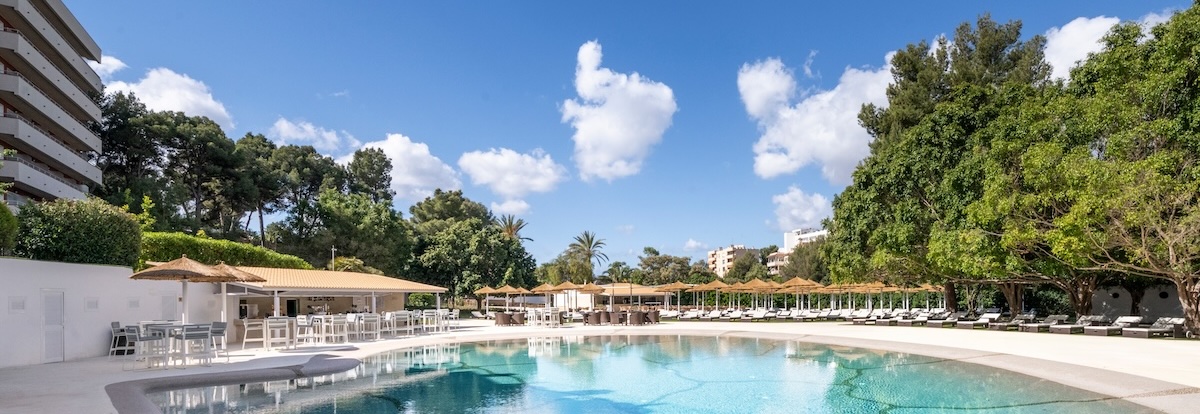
(649, 374)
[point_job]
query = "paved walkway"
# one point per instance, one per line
(1160, 373)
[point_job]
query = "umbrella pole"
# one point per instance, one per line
(224, 303)
(276, 312)
(184, 311)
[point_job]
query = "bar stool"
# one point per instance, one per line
(306, 330)
(253, 325)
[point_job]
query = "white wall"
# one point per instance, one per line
(94, 296)
(1153, 306)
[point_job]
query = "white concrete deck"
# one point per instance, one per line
(1160, 373)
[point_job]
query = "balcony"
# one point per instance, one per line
(36, 106)
(23, 16)
(19, 53)
(38, 180)
(21, 135)
(57, 13)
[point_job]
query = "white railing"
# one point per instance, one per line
(33, 164)
(52, 101)
(35, 126)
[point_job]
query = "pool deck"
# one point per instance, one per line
(1163, 374)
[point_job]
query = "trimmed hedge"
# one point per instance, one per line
(8, 230)
(78, 231)
(162, 247)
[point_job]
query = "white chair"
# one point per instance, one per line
(306, 330)
(146, 347)
(370, 326)
(277, 331)
(336, 329)
(387, 323)
(217, 333)
(193, 341)
(253, 326)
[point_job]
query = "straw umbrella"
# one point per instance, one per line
(184, 270)
(243, 277)
(569, 286)
(524, 292)
(547, 289)
(755, 286)
(591, 289)
(506, 290)
(485, 291)
(672, 287)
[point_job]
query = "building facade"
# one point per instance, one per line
(721, 259)
(791, 239)
(46, 90)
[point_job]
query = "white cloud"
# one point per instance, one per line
(415, 171)
(1071, 43)
(808, 72)
(164, 90)
(510, 174)
(821, 128)
(107, 66)
(514, 207)
(692, 244)
(795, 209)
(625, 229)
(618, 117)
(286, 132)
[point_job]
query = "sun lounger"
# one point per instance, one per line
(1161, 327)
(692, 314)
(919, 320)
(668, 314)
(715, 314)
(949, 321)
(1013, 323)
(1077, 327)
(1113, 329)
(1044, 325)
(892, 320)
(733, 316)
(758, 315)
(981, 322)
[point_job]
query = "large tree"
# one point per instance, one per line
(589, 247)
(267, 182)
(370, 173)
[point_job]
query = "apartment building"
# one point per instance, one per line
(45, 92)
(721, 259)
(791, 239)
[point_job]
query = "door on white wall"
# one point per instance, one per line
(169, 311)
(53, 317)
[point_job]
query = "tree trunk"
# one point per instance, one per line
(262, 234)
(951, 297)
(1012, 295)
(1135, 300)
(1189, 299)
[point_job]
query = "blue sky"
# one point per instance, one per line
(685, 126)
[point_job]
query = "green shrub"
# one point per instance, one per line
(8, 230)
(162, 247)
(420, 301)
(78, 231)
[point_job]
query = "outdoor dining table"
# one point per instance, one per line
(167, 331)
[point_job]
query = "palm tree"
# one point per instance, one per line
(588, 246)
(511, 225)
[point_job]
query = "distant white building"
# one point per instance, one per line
(791, 239)
(797, 237)
(721, 259)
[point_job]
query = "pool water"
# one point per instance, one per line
(647, 374)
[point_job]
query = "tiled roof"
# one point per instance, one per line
(332, 281)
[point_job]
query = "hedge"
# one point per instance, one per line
(78, 231)
(162, 247)
(8, 230)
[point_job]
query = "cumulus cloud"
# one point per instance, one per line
(617, 118)
(821, 128)
(795, 209)
(164, 90)
(1071, 43)
(692, 245)
(415, 171)
(107, 66)
(286, 132)
(512, 175)
(808, 72)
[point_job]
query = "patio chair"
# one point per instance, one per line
(277, 332)
(216, 333)
(194, 342)
(1114, 328)
(253, 326)
(1013, 323)
(146, 347)
(370, 326)
(1044, 325)
(120, 344)
(306, 330)
(1164, 327)
(981, 322)
(1077, 327)
(946, 320)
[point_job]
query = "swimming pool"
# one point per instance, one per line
(643, 374)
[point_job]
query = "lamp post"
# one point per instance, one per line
(332, 256)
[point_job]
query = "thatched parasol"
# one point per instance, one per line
(243, 277)
(185, 270)
(591, 289)
(506, 290)
(672, 287)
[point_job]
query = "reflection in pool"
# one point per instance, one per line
(635, 374)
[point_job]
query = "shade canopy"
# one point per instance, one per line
(242, 275)
(486, 290)
(566, 286)
(185, 269)
(545, 288)
(507, 290)
(673, 287)
(590, 288)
